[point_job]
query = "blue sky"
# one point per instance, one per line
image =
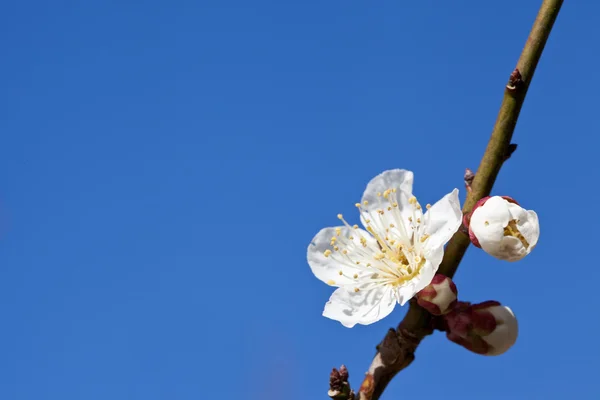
(164, 165)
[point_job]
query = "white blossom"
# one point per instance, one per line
(504, 229)
(394, 257)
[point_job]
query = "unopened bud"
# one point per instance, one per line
(338, 384)
(439, 296)
(487, 328)
(502, 228)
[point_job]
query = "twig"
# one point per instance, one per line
(397, 349)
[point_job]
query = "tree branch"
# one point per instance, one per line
(397, 349)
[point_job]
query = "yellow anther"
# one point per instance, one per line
(424, 238)
(333, 238)
(392, 242)
(351, 237)
(379, 256)
(394, 205)
(357, 205)
(417, 259)
(418, 220)
(392, 226)
(380, 212)
(378, 194)
(327, 253)
(366, 203)
(340, 216)
(418, 206)
(412, 200)
(363, 241)
(368, 221)
(338, 231)
(331, 282)
(355, 226)
(428, 206)
(386, 194)
(336, 248)
(341, 273)
(356, 289)
(389, 208)
(409, 219)
(368, 264)
(358, 263)
(394, 190)
(355, 276)
(486, 223)
(345, 251)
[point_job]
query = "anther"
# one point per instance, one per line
(356, 290)
(327, 253)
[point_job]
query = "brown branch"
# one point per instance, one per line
(397, 349)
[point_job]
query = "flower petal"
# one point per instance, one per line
(328, 269)
(400, 179)
(527, 223)
(443, 219)
(363, 307)
(488, 223)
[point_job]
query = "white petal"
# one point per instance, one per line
(443, 220)
(528, 224)
(400, 179)
(488, 223)
(327, 269)
(363, 307)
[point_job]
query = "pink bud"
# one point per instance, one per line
(439, 296)
(486, 328)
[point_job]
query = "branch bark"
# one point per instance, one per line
(397, 349)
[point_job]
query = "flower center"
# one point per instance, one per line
(512, 230)
(394, 254)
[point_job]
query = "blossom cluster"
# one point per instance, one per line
(396, 253)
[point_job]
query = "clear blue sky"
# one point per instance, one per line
(164, 165)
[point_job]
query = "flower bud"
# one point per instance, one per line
(502, 228)
(439, 296)
(487, 328)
